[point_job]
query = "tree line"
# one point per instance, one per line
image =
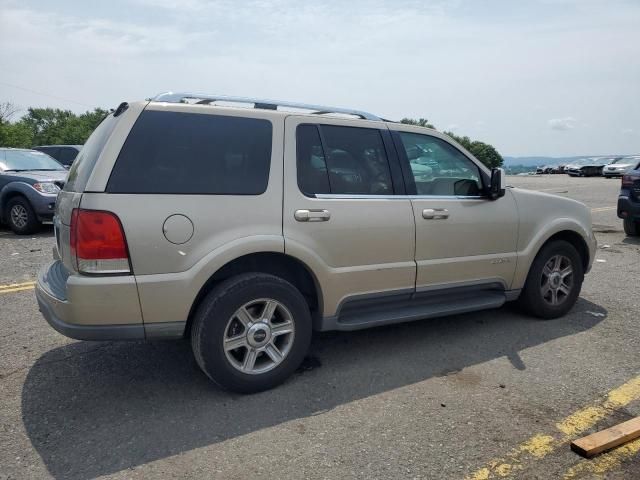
(53, 126)
(46, 126)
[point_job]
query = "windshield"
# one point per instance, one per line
(18, 160)
(617, 160)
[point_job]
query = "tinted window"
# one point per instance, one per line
(439, 168)
(87, 158)
(67, 155)
(190, 153)
(312, 167)
(51, 151)
(353, 159)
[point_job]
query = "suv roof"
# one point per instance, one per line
(208, 99)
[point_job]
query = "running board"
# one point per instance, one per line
(361, 314)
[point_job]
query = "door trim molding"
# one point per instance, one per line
(337, 196)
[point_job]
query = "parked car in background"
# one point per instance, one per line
(29, 184)
(550, 169)
(585, 168)
(65, 154)
(619, 166)
(629, 202)
(321, 222)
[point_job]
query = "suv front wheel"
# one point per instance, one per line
(631, 227)
(554, 281)
(21, 217)
(251, 332)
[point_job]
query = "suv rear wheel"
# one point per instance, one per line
(251, 332)
(21, 217)
(554, 281)
(631, 227)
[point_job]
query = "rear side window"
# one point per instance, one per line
(342, 160)
(88, 156)
(191, 153)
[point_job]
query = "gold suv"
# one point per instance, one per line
(246, 224)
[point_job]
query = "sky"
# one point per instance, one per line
(541, 77)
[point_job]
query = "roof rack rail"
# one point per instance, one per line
(205, 99)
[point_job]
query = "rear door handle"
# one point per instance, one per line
(312, 215)
(435, 213)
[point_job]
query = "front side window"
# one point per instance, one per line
(192, 153)
(438, 168)
(342, 160)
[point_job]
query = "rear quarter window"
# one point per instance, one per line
(192, 153)
(88, 156)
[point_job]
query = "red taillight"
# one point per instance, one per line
(98, 242)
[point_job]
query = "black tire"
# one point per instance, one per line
(631, 227)
(30, 225)
(532, 300)
(210, 327)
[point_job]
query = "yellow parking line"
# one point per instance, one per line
(17, 287)
(14, 285)
(603, 209)
(541, 445)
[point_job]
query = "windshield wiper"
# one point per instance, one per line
(13, 170)
(43, 169)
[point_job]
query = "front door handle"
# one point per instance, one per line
(312, 215)
(435, 213)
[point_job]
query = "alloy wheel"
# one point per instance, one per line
(557, 280)
(19, 216)
(259, 336)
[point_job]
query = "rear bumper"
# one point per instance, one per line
(627, 208)
(89, 308)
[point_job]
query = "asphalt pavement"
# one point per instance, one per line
(494, 394)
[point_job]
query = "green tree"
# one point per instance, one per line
(11, 134)
(47, 126)
(422, 122)
(484, 152)
(15, 135)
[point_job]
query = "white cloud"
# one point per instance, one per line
(453, 127)
(562, 124)
(627, 131)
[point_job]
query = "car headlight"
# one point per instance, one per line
(46, 187)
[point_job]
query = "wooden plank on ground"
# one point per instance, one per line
(607, 439)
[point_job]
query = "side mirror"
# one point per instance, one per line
(497, 186)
